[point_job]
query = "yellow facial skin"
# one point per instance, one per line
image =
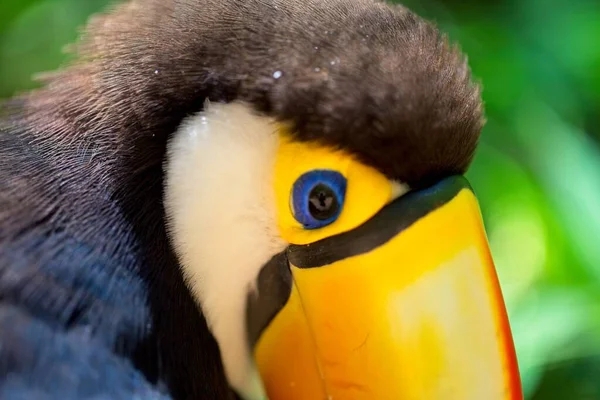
(420, 317)
(367, 192)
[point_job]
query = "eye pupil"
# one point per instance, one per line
(323, 202)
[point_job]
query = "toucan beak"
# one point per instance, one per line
(407, 306)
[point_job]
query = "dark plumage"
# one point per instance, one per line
(84, 253)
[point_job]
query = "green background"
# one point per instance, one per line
(537, 171)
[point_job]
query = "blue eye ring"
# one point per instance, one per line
(318, 198)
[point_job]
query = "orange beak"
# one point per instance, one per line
(405, 307)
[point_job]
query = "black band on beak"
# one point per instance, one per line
(274, 283)
(386, 224)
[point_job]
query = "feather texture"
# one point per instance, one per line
(84, 248)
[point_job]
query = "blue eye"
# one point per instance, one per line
(318, 198)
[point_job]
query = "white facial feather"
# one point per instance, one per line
(220, 206)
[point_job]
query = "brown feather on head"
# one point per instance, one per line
(369, 77)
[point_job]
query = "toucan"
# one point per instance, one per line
(249, 199)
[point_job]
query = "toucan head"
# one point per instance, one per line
(321, 218)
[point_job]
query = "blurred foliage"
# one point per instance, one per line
(537, 171)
